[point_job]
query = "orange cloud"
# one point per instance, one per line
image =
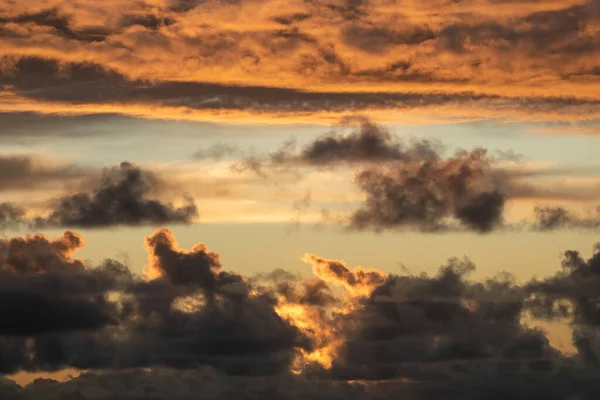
(358, 281)
(313, 58)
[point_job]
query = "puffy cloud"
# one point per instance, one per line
(122, 198)
(415, 334)
(423, 195)
(39, 254)
(106, 317)
(417, 184)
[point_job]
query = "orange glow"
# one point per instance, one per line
(358, 281)
(42, 253)
(317, 327)
(164, 240)
(319, 323)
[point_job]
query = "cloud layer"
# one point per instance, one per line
(415, 334)
(247, 59)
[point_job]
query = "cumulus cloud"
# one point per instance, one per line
(418, 184)
(425, 194)
(66, 310)
(415, 334)
(121, 198)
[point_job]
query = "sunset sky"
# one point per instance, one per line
(358, 199)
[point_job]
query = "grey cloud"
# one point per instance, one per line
(65, 312)
(11, 215)
(368, 142)
(168, 384)
(413, 184)
(417, 335)
(552, 218)
(121, 198)
(424, 195)
(26, 172)
(364, 143)
(216, 152)
(438, 328)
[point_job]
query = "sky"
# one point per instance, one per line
(358, 199)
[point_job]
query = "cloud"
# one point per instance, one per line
(67, 311)
(166, 384)
(356, 280)
(417, 184)
(121, 198)
(39, 254)
(552, 218)
(246, 60)
(423, 195)
(45, 291)
(418, 335)
(571, 295)
(27, 171)
(367, 143)
(11, 215)
(364, 143)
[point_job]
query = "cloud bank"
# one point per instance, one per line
(348, 331)
(255, 60)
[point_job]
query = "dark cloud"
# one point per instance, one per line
(59, 22)
(82, 83)
(44, 289)
(424, 195)
(167, 384)
(39, 254)
(571, 295)
(72, 317)
(552, 218)
(122, 198)
(368, 142)
(149, 21)
(11, 215)
(374, 39)
(364, 143)
(418, 335)
(29, 314)
(423, 328)
(197, 267)
(415, 185)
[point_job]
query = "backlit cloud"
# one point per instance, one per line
(417, 334)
